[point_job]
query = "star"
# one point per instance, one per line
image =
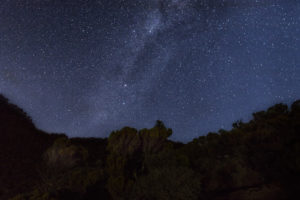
(197, 66)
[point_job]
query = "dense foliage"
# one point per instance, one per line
(255, 160)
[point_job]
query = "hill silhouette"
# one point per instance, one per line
(259, 159)
(21, 148)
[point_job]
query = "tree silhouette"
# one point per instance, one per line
(259, 159)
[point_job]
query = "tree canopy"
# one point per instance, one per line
(259, 159)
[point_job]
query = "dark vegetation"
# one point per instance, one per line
(255, 160)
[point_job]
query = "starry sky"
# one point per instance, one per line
(85, 67)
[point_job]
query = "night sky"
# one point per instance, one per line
(86, 68)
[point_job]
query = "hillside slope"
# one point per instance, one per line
(259, 159)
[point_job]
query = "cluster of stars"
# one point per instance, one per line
(87, 68)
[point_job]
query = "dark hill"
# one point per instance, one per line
(258, 160)
(21, 148)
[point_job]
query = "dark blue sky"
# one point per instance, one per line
(86, 68)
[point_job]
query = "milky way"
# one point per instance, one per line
(86, 68)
